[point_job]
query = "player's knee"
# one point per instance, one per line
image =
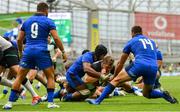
(85, 92)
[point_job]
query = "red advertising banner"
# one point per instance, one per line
(159, 26)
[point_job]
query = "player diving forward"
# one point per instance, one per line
(36, 30)
(145, 65)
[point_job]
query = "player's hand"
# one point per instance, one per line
(64, 56)
(104, 77)
(139, 80)
(54, 59)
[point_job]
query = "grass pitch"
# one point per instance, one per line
(121, 103)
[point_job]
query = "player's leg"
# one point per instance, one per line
(5, 72)
(22, 72)
(49, 73)
(149, 92)
(31, 75)
(131, 89)
(44, 62)
(41, 79)
(157, 81)
(26, 83)
(11, 58)
(77, 84)
(120, 78)
(3, 80)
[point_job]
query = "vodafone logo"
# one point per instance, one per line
(160, 22)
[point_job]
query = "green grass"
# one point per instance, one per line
(120, 103)
(6, 20)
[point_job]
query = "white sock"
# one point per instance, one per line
(5, 88)
(30, 89)
(6, 82)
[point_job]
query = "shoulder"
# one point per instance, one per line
(49, 20)
(87, 56)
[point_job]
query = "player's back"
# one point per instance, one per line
(37, 29)
(77, 67)
(144, 49)
(4, 44)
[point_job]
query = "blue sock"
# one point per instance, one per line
(5, 91)
(57, 94)
(156, 94)
(107, 90)
(13, 95)
(68, 97)
(50, 95)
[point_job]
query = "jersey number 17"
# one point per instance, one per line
(146, 42)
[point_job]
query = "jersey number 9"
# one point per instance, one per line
(34, 30)
(146, 42)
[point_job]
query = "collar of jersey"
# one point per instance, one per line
(39, 14)
(137, 35)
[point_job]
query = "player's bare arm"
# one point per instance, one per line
(91, 72)
(58, 43)
(120, 63)
(58, 53)
(20, 42)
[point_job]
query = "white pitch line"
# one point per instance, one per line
(13, 18)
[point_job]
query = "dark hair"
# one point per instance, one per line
(85, 51)
(136, 30)
(42, 6)
(100, 50)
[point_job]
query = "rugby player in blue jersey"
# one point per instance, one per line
(36, 30)
(78, 69)
(145, 65)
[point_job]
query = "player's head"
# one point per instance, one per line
(7, 35)
(107, 63)
(85, 51)
(19, 21)
(136, 30)
(42, 7)
(100, 51)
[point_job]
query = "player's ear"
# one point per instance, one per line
(46, 12)
(132, 34)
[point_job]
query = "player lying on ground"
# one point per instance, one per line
(60, 78)
(36, 30)
(106, 67)
(94, 85)
(145, 65)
